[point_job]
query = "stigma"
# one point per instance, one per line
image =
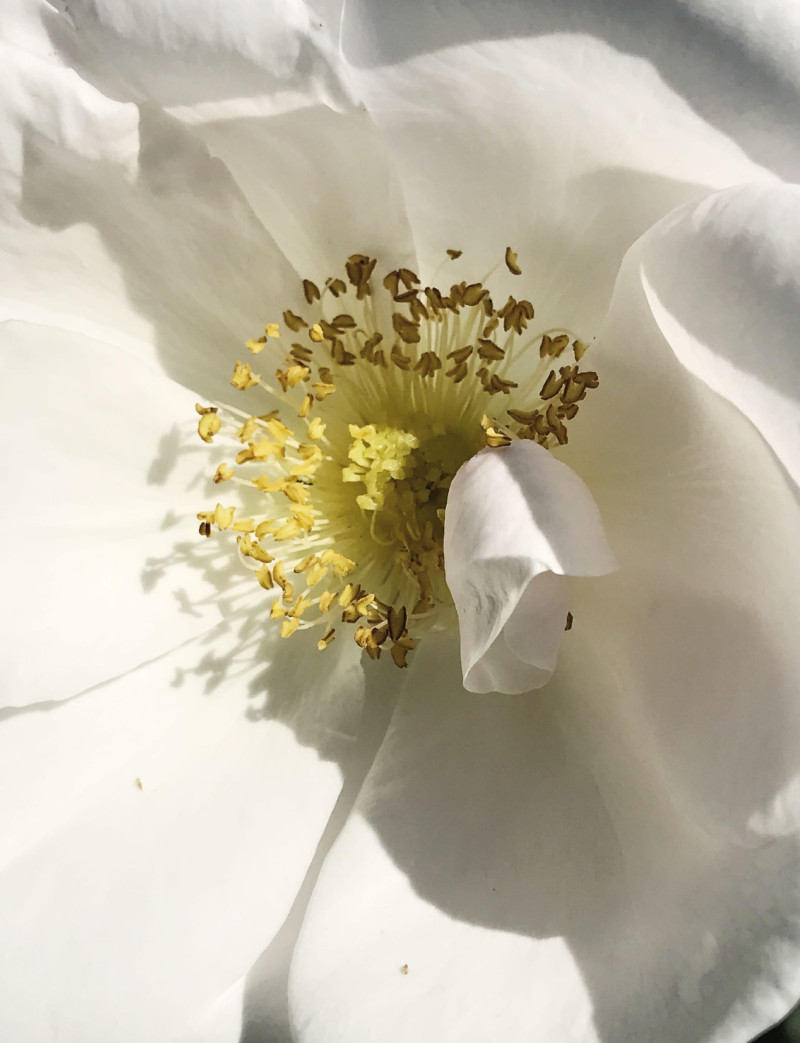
(361, 408)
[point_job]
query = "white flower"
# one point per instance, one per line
(611, 858)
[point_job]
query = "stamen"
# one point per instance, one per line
(372, 418)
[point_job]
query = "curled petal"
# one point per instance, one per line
(518, 523)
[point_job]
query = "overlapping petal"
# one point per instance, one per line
(516, 871)
(518, 523)
(155, 832)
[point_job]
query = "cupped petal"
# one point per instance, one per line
(735, 327)
(700, 622)
(103, 482)
(515, 871)
(155, 833)
(565, 130)
(518, 522)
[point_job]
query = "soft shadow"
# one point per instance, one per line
(731, 82)
(533, 788)
(531, 815)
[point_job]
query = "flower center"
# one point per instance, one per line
(344, 471)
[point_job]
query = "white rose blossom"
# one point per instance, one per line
(611, 857)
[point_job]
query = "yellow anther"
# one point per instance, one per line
(254, 550)
(223, 473)
(256, 345)
(317, 573)
(347, 595)
(264, 577)
(316, 334)
(288, 531)
(278, 610)
(209, 426)
(265, 448)
(326, 600)
(305, 563)
(243, 376)
(322, 390)
(279, 431)
(288, 626)
(316, 429)
(300, 606)
(272, 329)
(223, 516)
(326, 639)
(305, 407)
(247, 525)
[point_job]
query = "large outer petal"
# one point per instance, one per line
(737, 326)
(567, 129)
(134, 913)
(102, 566)
(700, 623)
(524, 863)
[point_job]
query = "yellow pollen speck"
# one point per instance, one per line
(209, 426)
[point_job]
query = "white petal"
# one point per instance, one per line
(118, 224)
(700, 622)
(518, 522)
(315, 177)
(102, 564)
(134, 913)
(564, 130)
(736, 326)
(524, 866)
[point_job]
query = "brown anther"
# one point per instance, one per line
(489, 351)
(461, 354)
(336, 286)
(310, 291)
(294, 322)
(405, 329)
(511, 262)
(568, 625)
(551, 386)
(580, 349)
(454, 254)
(343, 322)
(428, 364)
(400, 360)
(473, 294)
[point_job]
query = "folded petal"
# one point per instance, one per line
(700, 623)
(736, 326)
(515, 871)
(155, 833)
(518, 522)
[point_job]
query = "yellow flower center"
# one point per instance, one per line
(344, 464)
